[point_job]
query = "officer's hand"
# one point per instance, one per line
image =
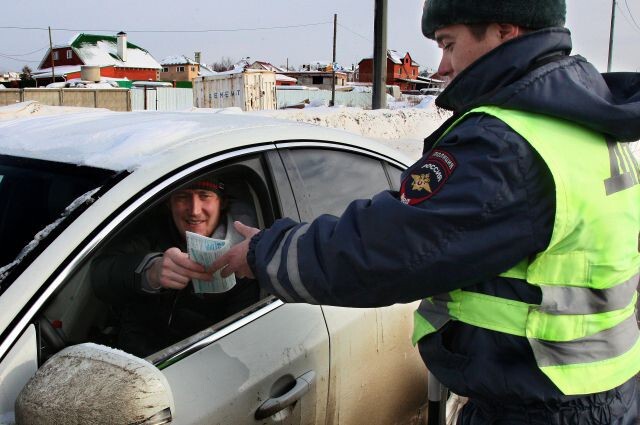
(174, 270)
(235, 260)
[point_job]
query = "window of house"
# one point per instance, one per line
(193, 69)
(181, 69)
(69, 54)
(317, 80)
(165, 69)
(55, 56)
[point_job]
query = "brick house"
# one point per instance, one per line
(402, 71)
(116, 57)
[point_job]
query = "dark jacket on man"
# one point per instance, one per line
(147, 320)
(495, 209)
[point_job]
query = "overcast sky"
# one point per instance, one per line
(589, 21)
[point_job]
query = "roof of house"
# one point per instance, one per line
(102, 50)
(177, 60)
(395, 57)
(267, 66)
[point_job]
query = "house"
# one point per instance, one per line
(319, 79)
(402, 71)
(181, 68)
(114, 55)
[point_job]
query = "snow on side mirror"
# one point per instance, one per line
(94, 384)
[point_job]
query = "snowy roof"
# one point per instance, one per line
(395, 58)
(59, 71)
(177, 60)
(116, 140)
(102, 50)
(267, 66)
(280, 77)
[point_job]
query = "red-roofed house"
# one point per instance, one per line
(402, 71)
(116, 57)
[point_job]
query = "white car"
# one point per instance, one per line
(85, 177)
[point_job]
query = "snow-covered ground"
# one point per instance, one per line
(401, 128)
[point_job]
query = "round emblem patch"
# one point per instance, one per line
(427, 177)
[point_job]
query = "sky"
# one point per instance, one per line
(280, 31)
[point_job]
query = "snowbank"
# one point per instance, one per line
(32, 108)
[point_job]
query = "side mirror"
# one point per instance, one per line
(94, 384)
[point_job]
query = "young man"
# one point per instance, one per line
(518, 227)
(145, 273)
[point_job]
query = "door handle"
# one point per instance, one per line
(276, 404)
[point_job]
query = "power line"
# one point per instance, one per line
(172, 31)
(631, 14)
(17, 60)
(24, 54)
(624, 15)
(353, 32)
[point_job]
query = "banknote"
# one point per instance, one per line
(205, 251)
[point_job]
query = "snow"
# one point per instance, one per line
(127, 139)
(100, 54)
(177, 60)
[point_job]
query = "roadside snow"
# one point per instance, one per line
(402, 129)
(32, 108)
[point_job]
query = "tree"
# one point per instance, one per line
(225, 64)
(26, 77)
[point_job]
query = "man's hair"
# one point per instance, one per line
(479, 31)
(524, 13)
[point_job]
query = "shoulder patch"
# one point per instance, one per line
(427, 177)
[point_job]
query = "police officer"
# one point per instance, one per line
(518, 227)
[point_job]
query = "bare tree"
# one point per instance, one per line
(224, 64)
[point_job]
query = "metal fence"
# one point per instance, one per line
(288, 98)
(161, 99)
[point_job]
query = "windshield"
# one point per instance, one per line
(34, 193)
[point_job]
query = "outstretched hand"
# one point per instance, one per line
(174, 270)
(235, 260)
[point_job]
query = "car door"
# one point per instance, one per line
(374, 367)
(268, 363)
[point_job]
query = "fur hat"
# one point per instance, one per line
(526, 13)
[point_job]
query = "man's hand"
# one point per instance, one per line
(174, 270)
(235, 260)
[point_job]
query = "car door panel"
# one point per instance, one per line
(227, 381)
(379, 372)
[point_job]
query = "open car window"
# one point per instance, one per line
(104, 302)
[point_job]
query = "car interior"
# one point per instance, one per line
(75, 314)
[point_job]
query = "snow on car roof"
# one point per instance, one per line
(116, 140)
(128, 140)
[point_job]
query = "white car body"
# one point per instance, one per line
(366, 370)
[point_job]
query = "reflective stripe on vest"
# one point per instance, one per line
(584, 334)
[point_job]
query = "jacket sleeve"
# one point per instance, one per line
(495, 209)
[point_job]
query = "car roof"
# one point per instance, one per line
(132, 140)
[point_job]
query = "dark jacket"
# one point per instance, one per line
(495, 208)
(147, 322)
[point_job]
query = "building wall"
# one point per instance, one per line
(130, 73)
(394, 71)
(190, 72)
(62, 58)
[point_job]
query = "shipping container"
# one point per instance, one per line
(250, 90)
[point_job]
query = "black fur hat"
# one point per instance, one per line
(527, 13)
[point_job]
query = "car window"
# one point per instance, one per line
(325, 181)
(395, 176)
(34, 193)
(108, 301)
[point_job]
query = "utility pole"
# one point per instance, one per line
(333, 66)
(53, 68)
(379, 100)
(613, 20)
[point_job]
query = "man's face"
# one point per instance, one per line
(460, 48)
(196, 211)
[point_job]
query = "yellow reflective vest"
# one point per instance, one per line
(584, 334)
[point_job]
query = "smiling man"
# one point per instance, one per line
(518, 227)
(145, 273)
